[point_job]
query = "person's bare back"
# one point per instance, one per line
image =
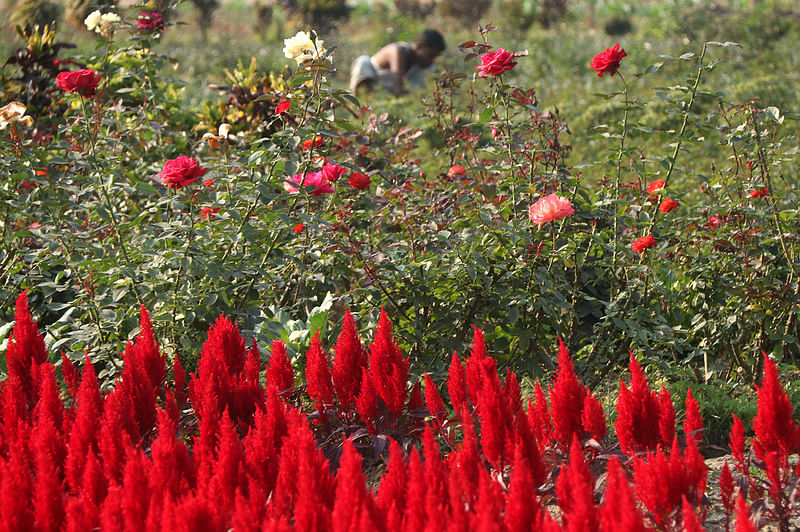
(391, 65)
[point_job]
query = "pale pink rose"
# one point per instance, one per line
(315, 179)
(549, 209)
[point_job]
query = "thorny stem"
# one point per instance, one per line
(617, 187)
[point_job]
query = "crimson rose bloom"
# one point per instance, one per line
(495, 63)
(180, 172)
(655, 186)
(282, 106)
(83, 81)
(641, 244)
(608, 61)
(359, 181)
(150, 21)
(332, 172)
(759, 193)
(667, 205)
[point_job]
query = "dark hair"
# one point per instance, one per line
(431, 39)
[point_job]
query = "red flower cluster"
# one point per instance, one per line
(608, 62)
(83, 82)
(236, 452)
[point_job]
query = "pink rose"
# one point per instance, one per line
(714, 222)
(549, 209)
(332, 172)
(180, 172)
(315, 179)
(150, 21)
(608, 61)
(83, 81)
(495, 63)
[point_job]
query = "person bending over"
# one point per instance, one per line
(397, 63)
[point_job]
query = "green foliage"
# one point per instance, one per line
(36, 13)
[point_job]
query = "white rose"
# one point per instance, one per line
(93, 21)
(301, 48)
(109, 18)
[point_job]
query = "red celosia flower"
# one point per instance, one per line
(83, 81)
(566, 400)
(318, 374)
(608, 61)
(619, 511)
(457, 384)
(593, 417)
(691, 522)
(693, 425)
(70, 373)
(655, 186)
(392, 488)
(726, 489)
(351, 491)
(575, 492)
(638, 414)
(367, 403)
(25, 352)
(493, 423)
(737, 442)
(743, 522)
(668, 205)
(388, 370)
(348, 363)
(434, 401)
(359, 181)
(539, 417)
(666, 417)
(414, 517)
(773, 425)
(663, 480)
(643, 243)
(456, 172)
(181, 171)
(522, 505)
(495, 63)
(84, 430)
(280, 373)
(759, 192)
(282, 106)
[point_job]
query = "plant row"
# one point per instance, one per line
(352, 444)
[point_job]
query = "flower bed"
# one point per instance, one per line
(251, 447)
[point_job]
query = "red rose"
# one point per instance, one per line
(759, 192)
(299, 228)
(359, 181)
(713, 222)
(667, 205)
(150, 21)
(316, 142)
(208, 213)
(283, 106)
(332, 172)
(655, 186)
(83, 81)
(495, 63)
(608, 61)
(641, 244)
(180, 172)
(456, 171)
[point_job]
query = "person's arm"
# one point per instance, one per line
(394, 58)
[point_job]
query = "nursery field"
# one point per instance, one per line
(536, 294)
